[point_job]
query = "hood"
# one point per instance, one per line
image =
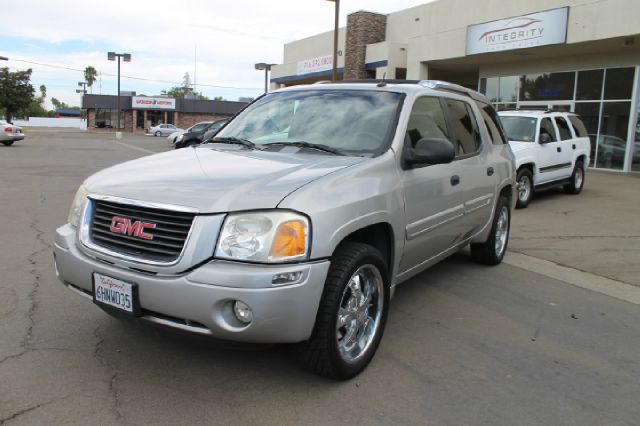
(214, 181)
(517, 146)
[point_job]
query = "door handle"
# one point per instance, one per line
(490, 171)
(573, 146)
(559, 149)
(455, 179)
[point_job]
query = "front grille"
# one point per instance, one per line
(169, 235)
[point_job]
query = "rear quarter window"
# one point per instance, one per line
(578, 126)
(492, 122)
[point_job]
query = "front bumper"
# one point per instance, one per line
(200, 301)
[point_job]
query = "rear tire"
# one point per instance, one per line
(577, 179)
(524, 180)
(7, 143)
(492, 251)
(351, 316)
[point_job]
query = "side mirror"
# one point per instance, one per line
(429, 151)
(545, 138)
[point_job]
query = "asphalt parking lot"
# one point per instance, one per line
(549, 337)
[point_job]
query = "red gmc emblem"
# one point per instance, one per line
(122, 225)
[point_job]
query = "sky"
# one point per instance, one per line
(221, 41)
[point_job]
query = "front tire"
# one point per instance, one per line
(157, 133)
(492, 251)
(351, 316)
(7, 143)
(524, 181)
(577, 179)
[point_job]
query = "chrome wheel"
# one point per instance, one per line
(578, 178)
(502, 230)
(524, 188)
(359, 313)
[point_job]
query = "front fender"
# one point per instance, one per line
(352, 199)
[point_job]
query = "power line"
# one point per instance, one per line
(135, 78)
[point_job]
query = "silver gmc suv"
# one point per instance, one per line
(298, 220)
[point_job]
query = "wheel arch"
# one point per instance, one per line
(379, 235)
(528, 165)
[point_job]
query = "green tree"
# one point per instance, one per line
(35, 109)
(176, 92)
(58, 104)
(90, 76)
(16, 91)
(43, 93)
(219, 98)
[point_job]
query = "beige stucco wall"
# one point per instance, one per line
(567, 63)
(307, 48)
(437, 31)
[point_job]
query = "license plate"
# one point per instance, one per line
(115, 293)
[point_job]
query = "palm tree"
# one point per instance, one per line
(90, 74)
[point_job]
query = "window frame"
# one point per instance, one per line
(452, 132)
(553, 124)
(557, 123)
(406, 146)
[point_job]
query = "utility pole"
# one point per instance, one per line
(127, 58)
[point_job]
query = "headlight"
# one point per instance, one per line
(179, 138)
(274, 236)
(77, 206)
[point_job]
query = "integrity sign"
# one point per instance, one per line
(519, 32)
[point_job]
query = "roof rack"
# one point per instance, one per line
(431, 84)
(451, 87)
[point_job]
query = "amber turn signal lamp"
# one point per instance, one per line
(290, 240)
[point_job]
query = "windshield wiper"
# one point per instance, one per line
(303, 144)
(233, 140)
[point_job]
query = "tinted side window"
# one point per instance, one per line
(563, 127)
(467, 140)
(578, 127)
(547, 127)
(426, 120)
(492, 122)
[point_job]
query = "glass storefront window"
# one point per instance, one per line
(589, 85)
(508, 89)
(601, 97)
(506, 107)
(547, 86)
(108, 118)
(612, 140)
(489, 88)
(635, 154)
(618, 83)
(589, 112)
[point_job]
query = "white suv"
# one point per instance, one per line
(551, 149)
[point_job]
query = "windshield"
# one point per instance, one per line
(199, 127)
(351, 121)
(519, 128)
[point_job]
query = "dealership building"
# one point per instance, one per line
(571, 55)
(139, 113)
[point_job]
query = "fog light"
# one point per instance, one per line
(242, 312)
(286, 278)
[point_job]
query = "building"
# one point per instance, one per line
(138, 113)
(68, 112)
(575, 55)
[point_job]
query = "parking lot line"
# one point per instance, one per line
(137, 148)
(609, 287)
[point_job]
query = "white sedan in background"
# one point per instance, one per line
(10, 133)
(164, 130)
